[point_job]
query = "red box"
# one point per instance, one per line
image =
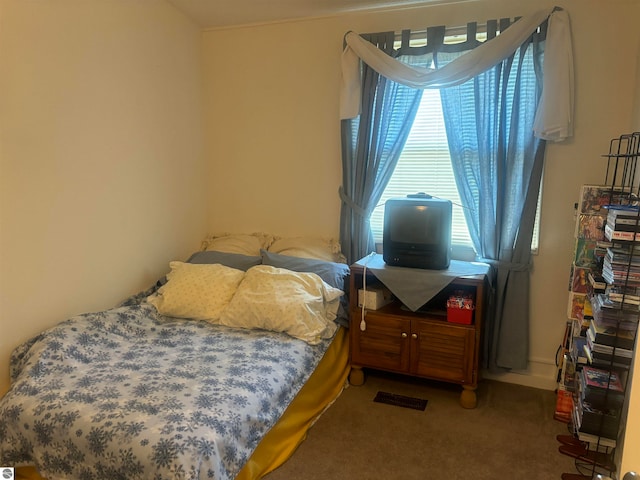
(460, 315)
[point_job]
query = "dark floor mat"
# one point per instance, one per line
(401, 400)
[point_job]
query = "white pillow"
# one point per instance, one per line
(196, 291)
(299, 304)
(243, 243)
(318, 248)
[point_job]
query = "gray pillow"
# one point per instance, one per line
(335, 274)
(233, 260)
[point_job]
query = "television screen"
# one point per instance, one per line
(417, 232)
(419, 224)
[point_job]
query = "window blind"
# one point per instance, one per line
(425, 166)
(425, 163)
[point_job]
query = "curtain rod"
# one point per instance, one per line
(462, 30)
(418, 38)
(449, 31)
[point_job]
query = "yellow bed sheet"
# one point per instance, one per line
(324, 385)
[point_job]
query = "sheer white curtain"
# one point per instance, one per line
(554, 118)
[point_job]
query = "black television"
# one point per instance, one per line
(417, 232)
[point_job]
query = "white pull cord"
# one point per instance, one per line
(363, 323)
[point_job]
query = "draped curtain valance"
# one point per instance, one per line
(554, 117)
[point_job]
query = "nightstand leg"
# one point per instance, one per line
(468, 398)
(356, 376)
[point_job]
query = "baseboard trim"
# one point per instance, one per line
(540, 374)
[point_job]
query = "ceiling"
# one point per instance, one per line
(225, 13)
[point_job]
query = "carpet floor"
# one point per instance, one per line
(511, 434)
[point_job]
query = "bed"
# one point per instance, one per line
(144, 390)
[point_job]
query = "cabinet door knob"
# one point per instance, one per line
(404, 335)
(414, 335)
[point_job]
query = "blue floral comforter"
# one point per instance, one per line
(128, 394)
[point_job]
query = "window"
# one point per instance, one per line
(425, 166)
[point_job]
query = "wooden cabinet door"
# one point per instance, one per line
(383, 343)
(442, 351)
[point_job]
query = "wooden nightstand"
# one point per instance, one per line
(421, 343)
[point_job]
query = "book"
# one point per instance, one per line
(587, 310)
(604, 348)
(608, 301)
(590, 227)
(578, 329)
(601, 442)
(599, 380)
(619, 297)
(620, 272)
(611, 336)
(599, 398)
(617, 215)
(584, 254)
(605, 360)
(623, 256)
(611, 234)
(579, 280)
(625, 224)
(563, 351)
(619, 260)
(627, 212)
(575, 308)
(597, 282)
(599, 421)
(594, 199)
(578, 352)
(620, 277)
(564, 405)
(619, 290)
(566, 337)
(610, 332)
(624, 302)
(568, 374)
(624, 220)
(616, 306)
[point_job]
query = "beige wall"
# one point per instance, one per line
(101, 156)
(272, 110)
(272, 128)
